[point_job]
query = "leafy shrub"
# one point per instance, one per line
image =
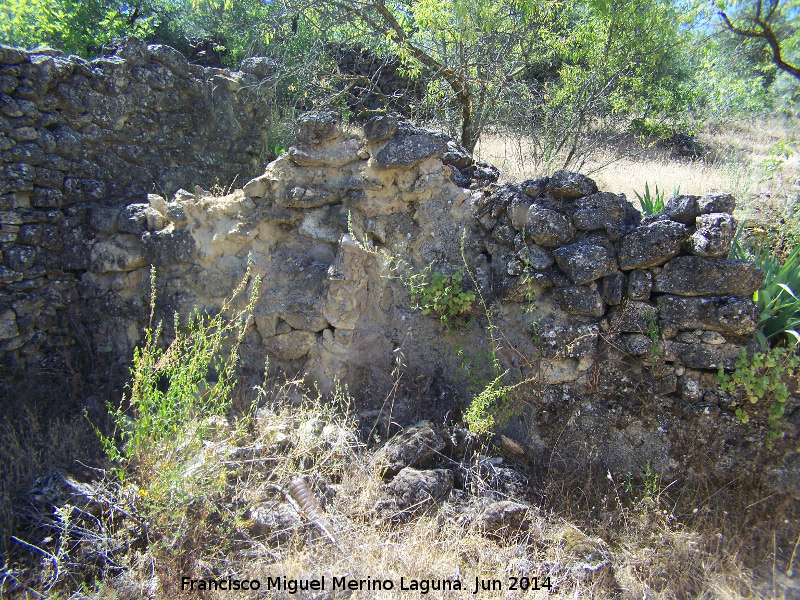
(651, 129)
(764, 381)
(431, 291)
(178, 399)
(170, 388)
(778, 155)
(440, 294)
(777, 300)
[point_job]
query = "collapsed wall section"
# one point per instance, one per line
(82, 140)
(616, 324)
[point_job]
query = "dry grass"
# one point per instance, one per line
(32, 445)
(591, 534)
(734, 162)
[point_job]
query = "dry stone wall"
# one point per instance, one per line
(82, 140)
(617, 323)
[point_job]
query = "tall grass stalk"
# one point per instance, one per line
(173, 387)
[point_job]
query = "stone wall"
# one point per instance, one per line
(616, 323)
(80, 141)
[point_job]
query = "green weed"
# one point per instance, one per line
(432, 292)
(652, 204)
(777, 300)
(763, 380)
(442, 295)
(778, 155)
(170, 388)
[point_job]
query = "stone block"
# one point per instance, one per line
(697, 276)
(713, 236)
(724, 314)
(410, 146)
(586, 260)
(548, 228)
(315, 128)
(652, 244)
(569, 185)
(580, 300)
(168, 247)
(633, 317)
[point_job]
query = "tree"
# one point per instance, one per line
(769, 21)
(605, 56)
(74, 26)
(475, 48)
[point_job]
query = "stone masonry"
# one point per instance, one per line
(81, 141)
(618, 322)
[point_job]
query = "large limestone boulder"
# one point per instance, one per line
(315, 128)
(569, 185)
(548, 228)
(412, 487)
(696, 276)
(652, 244)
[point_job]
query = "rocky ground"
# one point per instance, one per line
(304, 492)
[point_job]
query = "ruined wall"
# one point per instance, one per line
(80, 141)
(616, 323)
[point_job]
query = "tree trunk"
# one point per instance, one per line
(469, 136)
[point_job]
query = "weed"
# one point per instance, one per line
(773, 163)
(763, 381)
(431, 291)
(174, 386)
(442, 295)
(651, 481)
(777, 300)
(651, 204)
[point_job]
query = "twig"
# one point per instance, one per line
(20, 584)
(791, 560)
(44, 553)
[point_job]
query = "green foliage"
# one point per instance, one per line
(652, 204)
(763, 380)
(179, 397)
(171, 388)
(730, 81)
(480, 414)
(651, 481)
(431, 291)
(777, 300)
(80, 27)
(767, 25)
(778, 155)
(442, 295)
(651, 128)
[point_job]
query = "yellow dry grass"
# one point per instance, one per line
(736, 161)
(616, 546)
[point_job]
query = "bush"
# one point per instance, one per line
(651, 204)
(442, 295)
(174, 387)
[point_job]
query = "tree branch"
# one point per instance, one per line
(766, 33)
